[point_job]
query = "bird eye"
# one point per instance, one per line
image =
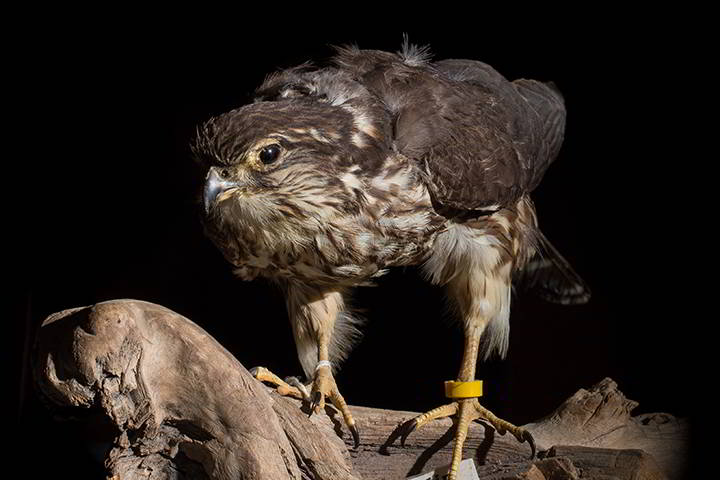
(270, 153)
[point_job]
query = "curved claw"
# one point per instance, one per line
(316, 399)
(527, 436)
(355, 435)
(295, 382)
(254, 371)
(407, 430)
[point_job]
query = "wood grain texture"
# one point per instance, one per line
(181, 402)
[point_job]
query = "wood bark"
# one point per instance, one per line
(184, 408)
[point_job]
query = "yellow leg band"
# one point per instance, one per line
(463, 389)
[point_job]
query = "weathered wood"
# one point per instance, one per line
(184, 407)
(601, 417)
(606, 462)
(601, 426)
(181, 402)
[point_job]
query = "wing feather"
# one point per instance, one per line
(480, 140)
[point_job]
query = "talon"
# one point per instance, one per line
(355, 435)
(407, 430)
(323, 389)
(440, 412)
(264, 375)
(316, 400)
(466, 411)
(295, 382)
(526, 436)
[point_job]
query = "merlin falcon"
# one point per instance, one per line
(374, 160)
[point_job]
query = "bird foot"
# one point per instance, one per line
(466, 410)
(323, 387)
(290, 387)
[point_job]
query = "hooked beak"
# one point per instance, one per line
(214, 186)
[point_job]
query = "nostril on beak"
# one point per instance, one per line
(213, 186)
(216, 182)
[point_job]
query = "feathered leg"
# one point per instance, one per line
(322, 334)
(479, 297)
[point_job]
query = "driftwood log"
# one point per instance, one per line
(183, 407)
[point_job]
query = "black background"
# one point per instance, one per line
(104, 203)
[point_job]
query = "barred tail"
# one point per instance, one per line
(550, 276)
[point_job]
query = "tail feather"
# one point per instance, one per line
(551, 277)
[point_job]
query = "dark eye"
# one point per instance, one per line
(270, 153)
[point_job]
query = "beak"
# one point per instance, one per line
(214, 186)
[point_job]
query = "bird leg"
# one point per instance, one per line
(324, 386)
(313, 315)
(467, 410)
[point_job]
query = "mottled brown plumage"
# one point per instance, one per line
(334, 174)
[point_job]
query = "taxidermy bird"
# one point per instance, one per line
(381, 159)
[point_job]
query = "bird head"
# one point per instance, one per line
(279, 168)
